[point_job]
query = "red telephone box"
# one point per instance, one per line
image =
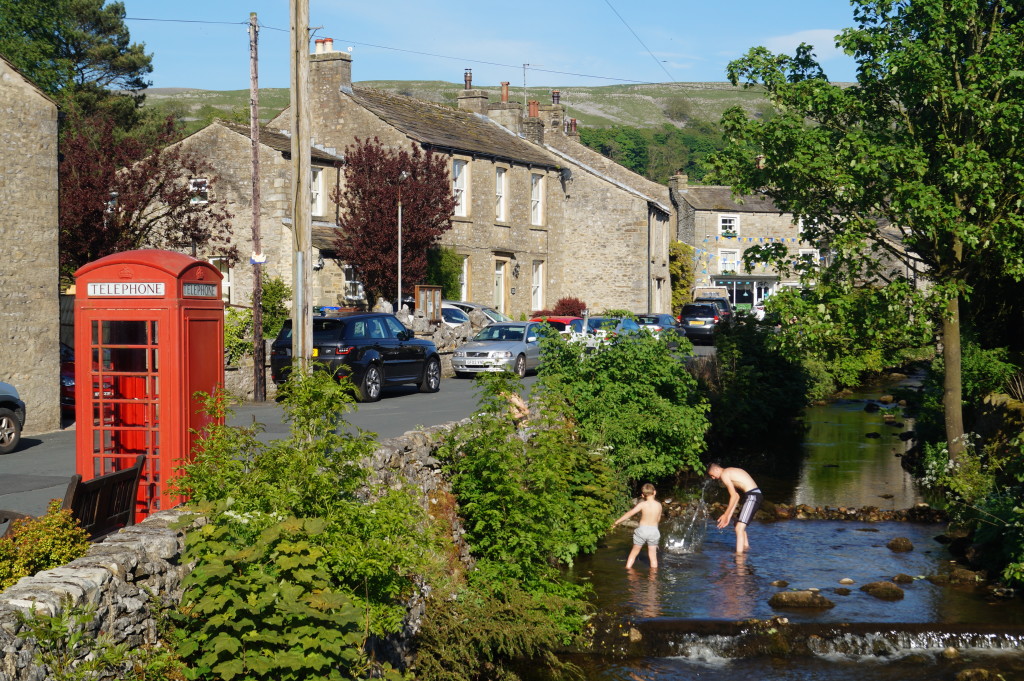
(149, 334)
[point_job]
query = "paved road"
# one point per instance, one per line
(39, 469)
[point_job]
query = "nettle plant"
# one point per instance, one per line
(302, 560)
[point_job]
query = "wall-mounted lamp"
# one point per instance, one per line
(319, 265)
(515, 270)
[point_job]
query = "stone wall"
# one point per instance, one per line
(29, 308)
(129, 575)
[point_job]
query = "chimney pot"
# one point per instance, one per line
(468, 76)
(572, 125)
(534, 108)
(319, 46)
(328, 44)
(555, 96)
(504, 91)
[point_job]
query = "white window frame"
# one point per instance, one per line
(537, 290)
(316, 191)
(501, 194)
(464, 279)
(199, 191)
(729, 223)
(723, 262)
(460, 185)
(223, 265)
(536, 199)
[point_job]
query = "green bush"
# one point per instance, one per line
(36, 544)
(238, 321)
(634, 397)
(444, 269)
(297, 521)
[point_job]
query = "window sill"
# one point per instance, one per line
(461, 218)
(500, 223)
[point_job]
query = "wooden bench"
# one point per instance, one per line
(101, 505)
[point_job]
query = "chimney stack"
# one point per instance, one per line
(555, 96)
(328, 69)
(504, 91)
(474, 101)
(468, 77)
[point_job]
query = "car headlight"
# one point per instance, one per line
(459, 353)
(503, 354)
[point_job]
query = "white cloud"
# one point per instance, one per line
(823, 40)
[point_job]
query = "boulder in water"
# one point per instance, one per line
(886, 591)
(900, 545)
(846, 580)
(902, 578)
(781, 583)
(800, 599)
(842, 591)
(977, 674)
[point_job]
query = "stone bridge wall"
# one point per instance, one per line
(128, 576)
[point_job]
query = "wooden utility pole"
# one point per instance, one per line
(258, 346)
(302, 226)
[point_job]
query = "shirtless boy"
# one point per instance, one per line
(738, 482)
(647, 533)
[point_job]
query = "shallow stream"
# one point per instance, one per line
(685, 613)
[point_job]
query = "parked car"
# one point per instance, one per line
(453, 316)
(656, 323)
(725, 311)
(699, 320)
(12, 418)
(568, 326)
(611, 326)
(505, 346)
(373, 349)
(67, 377)
(468, 307)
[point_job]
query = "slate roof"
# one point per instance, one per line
(280, 142)
(717, 198)
(440, 126)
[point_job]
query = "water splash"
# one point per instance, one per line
(686, 534)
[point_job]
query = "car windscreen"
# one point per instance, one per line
(698, 311)
(607, 323)
(557, 326)
(324, 330)
(500, 333)
(648, 320)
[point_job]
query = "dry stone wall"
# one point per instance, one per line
(129, 576)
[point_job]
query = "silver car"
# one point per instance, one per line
(506, 346)
(12, 418)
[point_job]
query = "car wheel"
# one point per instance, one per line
(431, 382)
(10, 431)
(520, 367)
(369, 389)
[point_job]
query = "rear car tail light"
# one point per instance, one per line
(343, 350)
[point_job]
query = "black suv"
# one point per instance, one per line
(374, 349)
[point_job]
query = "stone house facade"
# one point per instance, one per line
(227, 148)
(29, 278)
(721, 227)
(540, 217)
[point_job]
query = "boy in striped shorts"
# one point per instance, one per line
(738, 482)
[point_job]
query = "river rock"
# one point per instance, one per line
(938, 580)
(902, 578)
(846, 580)
(900, 545)
(964, 576)
(886, 591)
(977, 675)
(886, 399)
(841, 591)
(871, 407)
(800, 599)
(781, 583)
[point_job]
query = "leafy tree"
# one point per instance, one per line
(369, 212)
(920, 161)
(29, 31)
(124, 192)
(682, 271)
(444, 269)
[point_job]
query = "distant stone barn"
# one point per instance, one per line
(29, 277)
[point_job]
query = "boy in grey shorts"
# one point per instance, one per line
(647, 533)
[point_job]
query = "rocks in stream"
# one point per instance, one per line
(900, 545)
(805, 598)
(886, 591)
(769, 512)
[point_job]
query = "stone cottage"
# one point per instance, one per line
(227, 148)
(540, 217)
(29, 278)
(721, 227)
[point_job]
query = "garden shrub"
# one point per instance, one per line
(36, 544)
(569, 307)
(635, 397)
(296, 521)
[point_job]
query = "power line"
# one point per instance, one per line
(428, 54)
(660, 63)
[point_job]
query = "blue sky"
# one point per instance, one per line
(566, 42)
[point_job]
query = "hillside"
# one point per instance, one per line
(640, 106)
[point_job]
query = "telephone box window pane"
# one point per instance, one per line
(153, 337)
(95, 332)
(125, 333)
(128, 359)
(154, 363)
